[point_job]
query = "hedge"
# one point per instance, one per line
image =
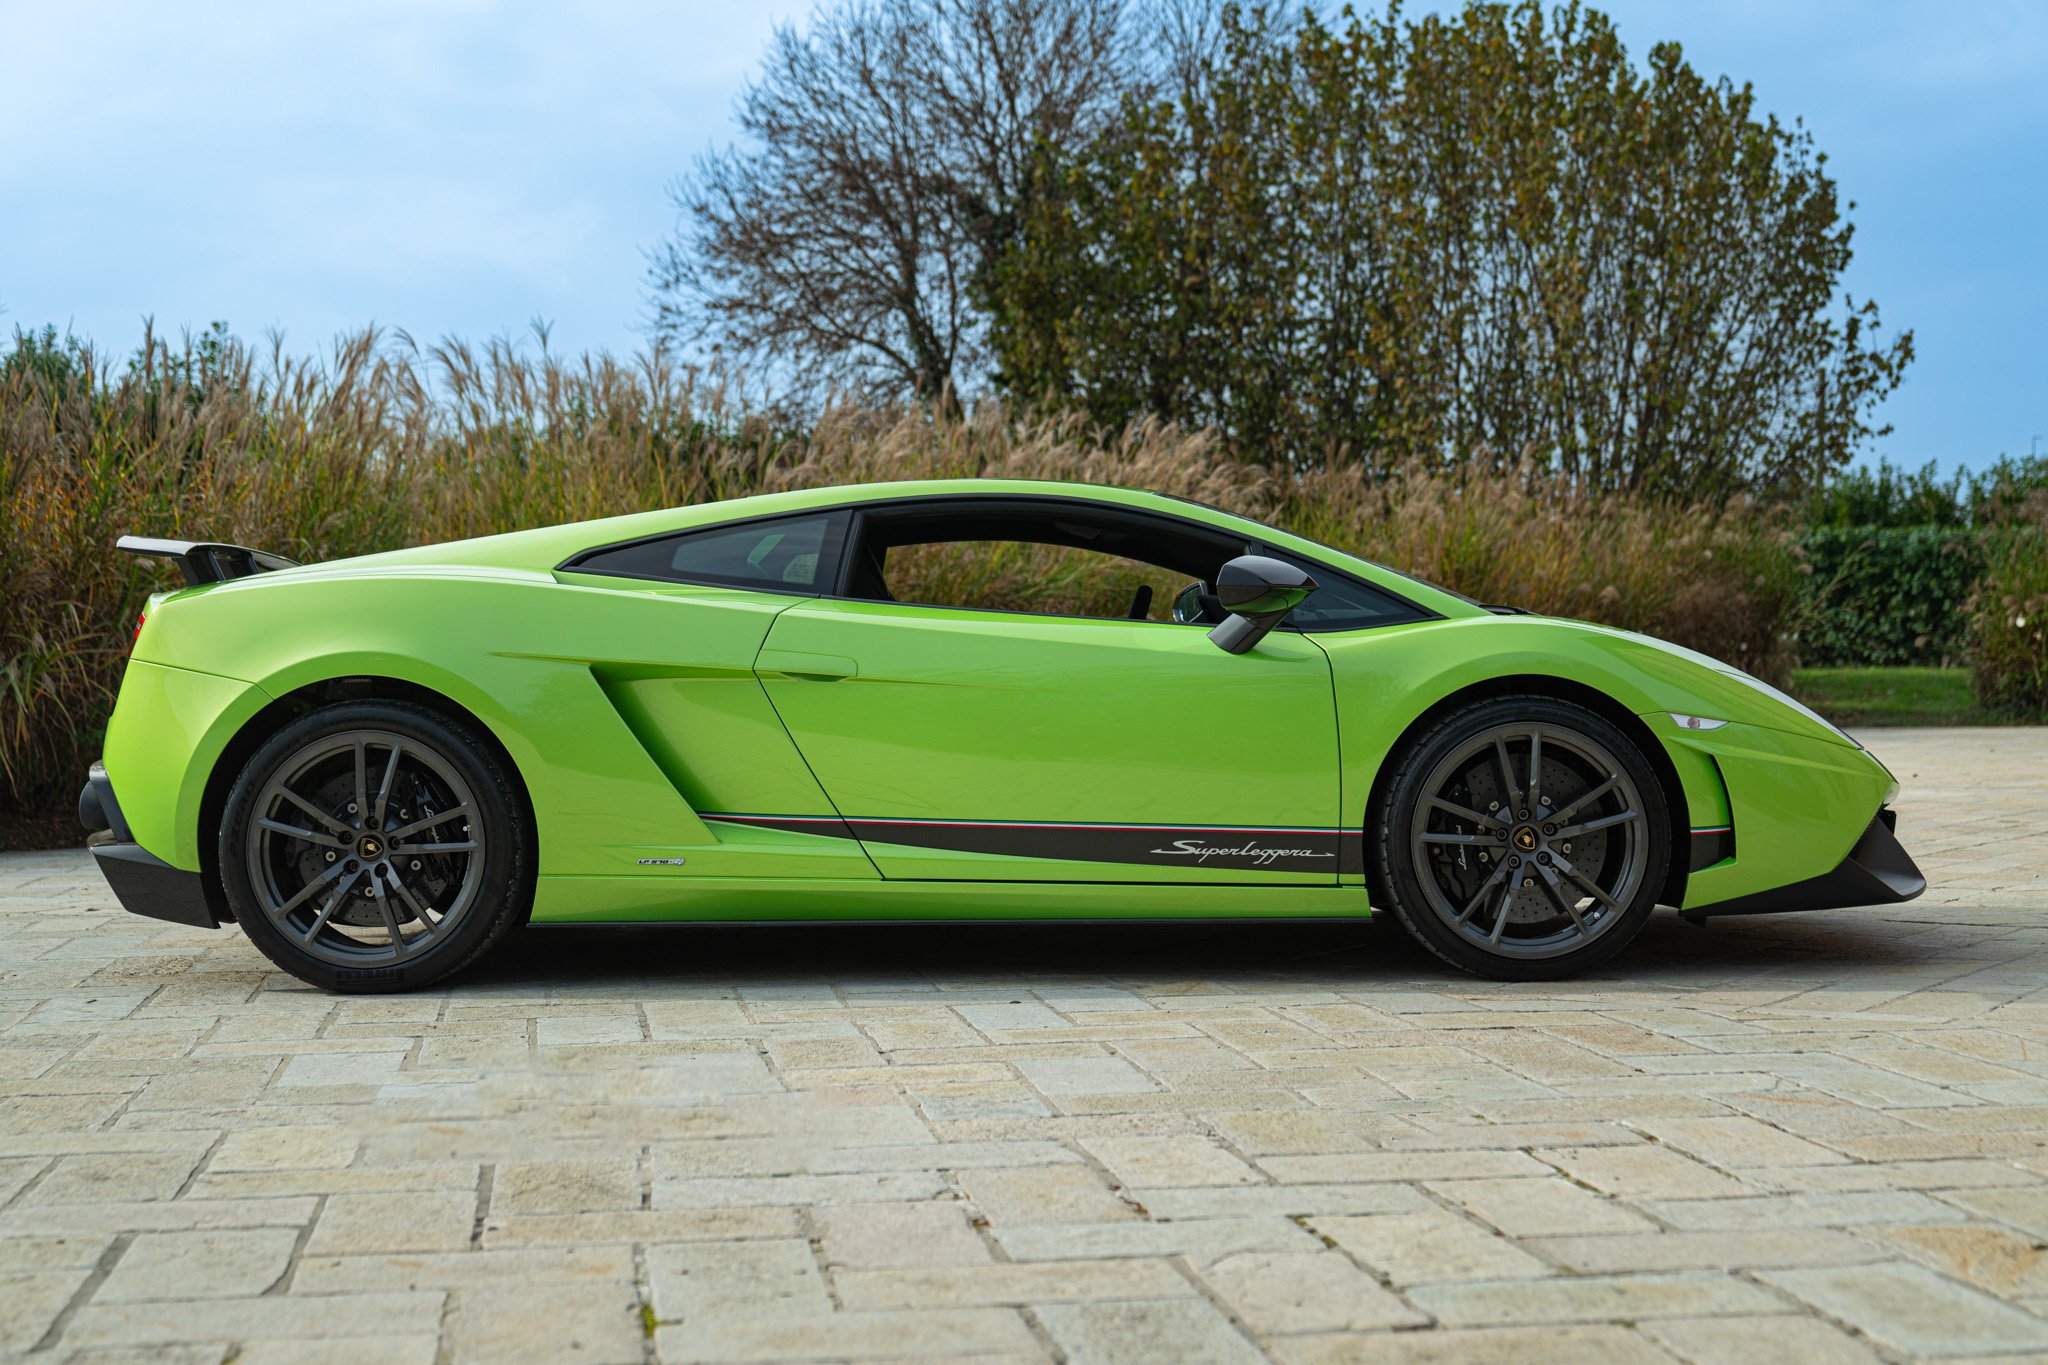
(1878, 595)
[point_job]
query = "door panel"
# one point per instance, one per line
(997, 746)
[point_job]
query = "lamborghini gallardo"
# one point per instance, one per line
(956, 700)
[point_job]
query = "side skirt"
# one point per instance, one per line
(655, 900)
(958, 923)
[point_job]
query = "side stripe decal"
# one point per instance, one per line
(1270, 848)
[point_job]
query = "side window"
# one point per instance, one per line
(1344, 603)
(782, 554)
(1026, 576)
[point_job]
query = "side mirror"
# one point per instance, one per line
(1258, 592)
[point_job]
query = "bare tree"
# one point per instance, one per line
(1187, 38)
(886, 150)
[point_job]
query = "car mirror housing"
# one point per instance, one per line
(1258, 592)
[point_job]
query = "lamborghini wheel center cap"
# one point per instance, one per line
(1524, 838)
(370, 847)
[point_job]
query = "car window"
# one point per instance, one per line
(1340, 603)
(1014, 575)
(780, 554)
(1052, 557)
(1046, 556)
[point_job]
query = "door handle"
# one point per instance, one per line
(789, 663)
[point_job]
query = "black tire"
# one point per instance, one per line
(313, 879)
(1459, 876)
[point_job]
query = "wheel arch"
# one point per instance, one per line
(1561, 689)
(287, 708)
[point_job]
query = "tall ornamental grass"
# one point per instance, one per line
(383, 444)
(2009, 617)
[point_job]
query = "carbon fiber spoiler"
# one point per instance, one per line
(206, 561)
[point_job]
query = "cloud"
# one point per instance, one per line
(461, 166)
(271, 157)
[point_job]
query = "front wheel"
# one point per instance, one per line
(1523, 838)
(375, 846)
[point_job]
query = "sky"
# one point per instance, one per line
(463, 167)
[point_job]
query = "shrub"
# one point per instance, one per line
(2009, 626)
(1895, 556)
(1879, 595)
(1888, 495)
(381, 447)
(1885, 494)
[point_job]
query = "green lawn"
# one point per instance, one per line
(1897, 696)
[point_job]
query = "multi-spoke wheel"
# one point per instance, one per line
(1523, 838)
(374, 846)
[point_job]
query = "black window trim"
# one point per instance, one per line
(843, 535)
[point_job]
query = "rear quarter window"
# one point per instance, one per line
(796, 554)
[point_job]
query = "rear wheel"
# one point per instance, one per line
(1523, 838)
(375, 846)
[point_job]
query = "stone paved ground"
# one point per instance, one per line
(1813, 1138)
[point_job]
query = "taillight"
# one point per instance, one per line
(139, 620)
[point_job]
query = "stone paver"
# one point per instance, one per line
(1817, 1137)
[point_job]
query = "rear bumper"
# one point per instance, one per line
(1878, 871)
(144, 883)
(147, 885)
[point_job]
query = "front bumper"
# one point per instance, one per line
(144, 883)
(1878, 871)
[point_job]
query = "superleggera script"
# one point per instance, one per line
(1203, 852)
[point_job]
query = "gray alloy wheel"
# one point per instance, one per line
(1533, 840)
(1521, 837)
(373, 846)
(365, 849)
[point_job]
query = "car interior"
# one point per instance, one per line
(921, 553)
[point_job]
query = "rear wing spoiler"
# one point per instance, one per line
(205, 561)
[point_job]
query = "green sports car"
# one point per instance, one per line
(963, 700)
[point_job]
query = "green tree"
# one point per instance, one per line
(1485, 237)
